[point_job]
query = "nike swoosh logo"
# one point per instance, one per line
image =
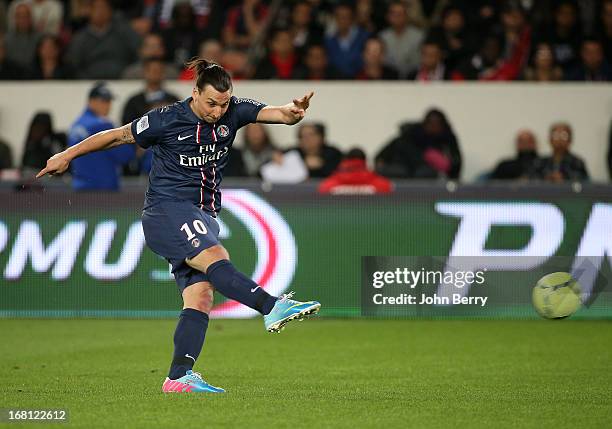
(255, 288)
(180, 138)
(190, 357)
(298, 304)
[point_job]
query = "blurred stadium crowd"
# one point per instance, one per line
(543, 40)
(488, 40)
(424, 150)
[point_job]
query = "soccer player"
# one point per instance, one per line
(190, 141)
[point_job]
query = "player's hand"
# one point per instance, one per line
(295, 111)
(57, 164)
(294, 114)
(304, 102)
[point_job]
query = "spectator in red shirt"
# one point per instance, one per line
(517, 42)
(281, 60)
(353, 177)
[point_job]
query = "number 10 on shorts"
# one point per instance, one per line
(198, 225)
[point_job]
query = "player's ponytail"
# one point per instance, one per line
(209, 73)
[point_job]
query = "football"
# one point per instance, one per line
(556, 296)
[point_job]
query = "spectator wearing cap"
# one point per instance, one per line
(104, 48)
(97, 170)
(354, 177)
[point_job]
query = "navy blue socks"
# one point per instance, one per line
(192, 324)
(234, 285)
(188, 341)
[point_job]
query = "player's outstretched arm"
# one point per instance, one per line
(289, 114)
(59, 162)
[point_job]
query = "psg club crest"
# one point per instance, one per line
(223, 130)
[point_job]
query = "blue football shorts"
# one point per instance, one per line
(177, 230)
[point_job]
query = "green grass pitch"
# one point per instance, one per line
(319, 373)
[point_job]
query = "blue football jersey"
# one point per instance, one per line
(189, 154)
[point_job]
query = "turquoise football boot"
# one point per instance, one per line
(286, 310)
(190, 382)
